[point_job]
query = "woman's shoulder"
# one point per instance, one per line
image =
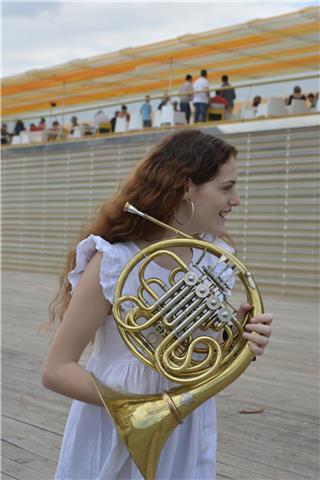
(114, 258)
(96, 243)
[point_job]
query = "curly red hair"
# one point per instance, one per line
(156, 187)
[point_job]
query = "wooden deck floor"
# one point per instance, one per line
(282, 443)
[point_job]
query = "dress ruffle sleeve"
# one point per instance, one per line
(110, 264)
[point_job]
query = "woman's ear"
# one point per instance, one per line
(189, 187)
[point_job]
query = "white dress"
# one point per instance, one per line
(91, 447)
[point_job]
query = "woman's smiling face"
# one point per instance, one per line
(212, 200)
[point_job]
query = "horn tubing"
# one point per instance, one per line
(131, 209)
(144, 422)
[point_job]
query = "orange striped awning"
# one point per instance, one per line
(248, 52)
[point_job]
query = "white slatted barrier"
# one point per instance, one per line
(49, 191)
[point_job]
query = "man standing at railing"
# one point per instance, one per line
(201, 97)
(229, 94)
(186, 94)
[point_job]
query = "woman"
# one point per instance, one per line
(189, 182)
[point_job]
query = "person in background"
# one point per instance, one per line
(229, 94)
(113, 120)
(100, 122)
(312, 99)
(256, 101)
(296, 95)
(165, 101)
(217, 107)
(124, 113)
(201, 97)
(218, 98)
(186, 96)
(74, 124)
(146, 112)
(5, 135)
(175, 106)
(19, 127)
(42, 124)
(55, 132)
(38, 128)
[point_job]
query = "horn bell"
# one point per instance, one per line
(144, 422)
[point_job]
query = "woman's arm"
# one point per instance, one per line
(85, 314)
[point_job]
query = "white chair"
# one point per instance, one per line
(38, 137)
(262, 110)
(297, 106)
(276, 107)
(24, 137)
(121, 125)
(156, 118)
(135, 122)
(76, 133)
(248, 113)
(15, 140)
(171, 117)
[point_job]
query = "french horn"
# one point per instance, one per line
(167, 326)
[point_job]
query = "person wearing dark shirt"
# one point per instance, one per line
(5, 135)
(296, 95)
(19, 127)
(113, 120)
(229, 94)
(186, 96)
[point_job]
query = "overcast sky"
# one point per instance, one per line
(43, 33)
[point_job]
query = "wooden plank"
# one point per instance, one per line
(7, 476)
(24, 457)
(20, 470)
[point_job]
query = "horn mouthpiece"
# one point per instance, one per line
(130, 208)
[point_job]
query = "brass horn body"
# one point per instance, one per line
(162, 334)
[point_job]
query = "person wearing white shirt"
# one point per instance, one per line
(201, 97)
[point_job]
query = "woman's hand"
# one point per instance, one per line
(257, 330)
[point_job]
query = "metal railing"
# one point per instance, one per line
(55, 112)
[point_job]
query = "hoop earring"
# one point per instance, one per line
(191, 216)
